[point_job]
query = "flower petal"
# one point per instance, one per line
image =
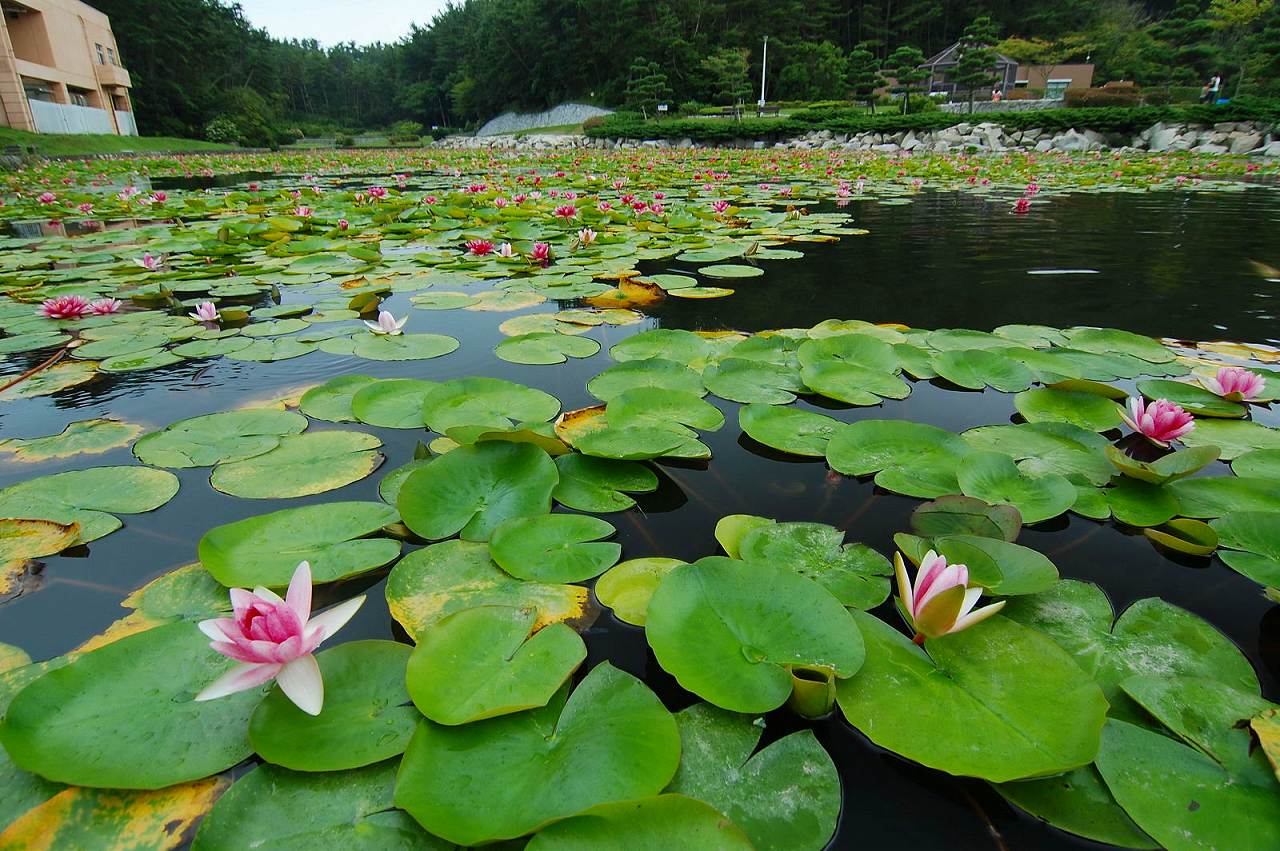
(300, 681)
(977, 616)
(298, 597)
(325, 624)
(240, 678)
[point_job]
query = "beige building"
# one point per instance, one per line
(1055, 80)
(60, 70)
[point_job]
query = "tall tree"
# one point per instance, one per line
(978, 57)
(647, 86)
(864, 75)
(904, 65)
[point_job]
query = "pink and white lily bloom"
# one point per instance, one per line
(720, 206)
(46, 198)
(1235, 383)
(586, 236)
(104, 306)
(541, 252)
(506, 250)
(387, 324)
(273, 638)
(1160, 422)
(566, 211)
(147, 261)
(206, 311)
(940, 601)
(65, 307)
(479, 247)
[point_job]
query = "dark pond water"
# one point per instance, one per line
(1166, 265)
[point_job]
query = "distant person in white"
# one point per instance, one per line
(1212, 89)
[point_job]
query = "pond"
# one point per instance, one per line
(1193, 268)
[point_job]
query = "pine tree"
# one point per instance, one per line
(904, 64)
(864, 74)
(978, 57)
(647, 86)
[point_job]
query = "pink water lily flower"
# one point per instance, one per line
(206, 311)
(273, 638)
(940, 602)
(1235, 383)
(541, 252)
(720, 206)
(47, 198)
(506, 250)
(566, 211)
(1160, 422)
(586, 236)
(387, 324)
(479, 247)
(65, 307)
(104, 306)
(86, 208)
(377, 192)
(147, 261)
(1022, 206)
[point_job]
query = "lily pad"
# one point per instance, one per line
(1233, 437)
(856, 574)
(484, 662)
(627, 587)
(85, 723)
(301, 465)
(332, 400)
(997, 682)
(213, 438)
(1086, 410)
(646, 824)
(993, 477)
(474, 489)
(85, 497)
(600, 484)
(788, 429)
(654, 372)
(610, 740)
(265, 549)
(786, 796)
(752, 381)
(545, 348)
(868, 446)
(730, 631)
(1175, 465)
(392, 403)
(1216, 496)
(451, 576)
(554, 547)
(1184, 535)
(84, 437)
(1080, 803)
(976, 369)
(402, 346)
(1192, 397)
(964, 515)
(489, 402)
(1251, 544)
(731, 270)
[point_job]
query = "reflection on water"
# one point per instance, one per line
(944, 261)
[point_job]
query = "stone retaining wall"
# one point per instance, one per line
(988, 106)
(565, 113)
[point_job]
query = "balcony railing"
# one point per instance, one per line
(112, 75)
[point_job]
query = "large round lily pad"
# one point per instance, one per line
(489, 402)
(124, 717)
(554, 547)
(1086, 410)
(484, 662)
(214, 438)
(85, 497)
(364, 719)
(626, 588)
(856, 574)
(867, 446)
(731, 631)
(474, 489)
(301, 465)
(332, 400)
(994, 478)
(1000, 701)
(393, 403)
(646, 824)
(788, 429)
(610, 740)
(600, 484)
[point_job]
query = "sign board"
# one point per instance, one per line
(662, 107)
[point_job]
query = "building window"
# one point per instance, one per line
(101, 59)
(111, 54)
(37, 90)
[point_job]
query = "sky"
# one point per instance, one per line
(333, 21)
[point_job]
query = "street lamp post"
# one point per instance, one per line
(764, 70)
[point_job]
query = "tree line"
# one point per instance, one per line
(194, 61)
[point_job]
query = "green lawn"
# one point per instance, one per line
(57, 144)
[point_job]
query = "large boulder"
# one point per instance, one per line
(1243, 143)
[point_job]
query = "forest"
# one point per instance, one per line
(218, 75)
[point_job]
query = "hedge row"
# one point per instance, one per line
(624, 125)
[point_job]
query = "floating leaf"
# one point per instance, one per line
(1086, 410)
(1192, 397)
(674, 345)
(1216, 496)
(867, 446)
(84, 497)
(1233, 437)
(364, 720)
(1047, 447)
(651, 824)
(655, 372)
(1175, 465)
(998, 683)
(301, 465)
(627, 587)
(1259, 464)
(976, 369)
(610, 740)
(554, 547)
(1183, 535)
(749, 381)
(731, 631)
(1251, 542)
(484, 662)
(786, 796)
(87, 723)
(1138, 503)
(489, 402)
(964, 515)
(83, 437)
(402, 346)
(1002, 567)
(211, 439)
(265, 549)
(1108, 341)
(21, 540)
(599, 484)
(392, 403)
(788, 429)
(56, 378)
(994, 478)
(731, 270)
(1080, 803)
(545, 348)
(451, 576)
(854, 573)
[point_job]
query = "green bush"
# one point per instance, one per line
(289, 135)
(404, 132)
(344, 141)
(223, 130)
(1082, 98)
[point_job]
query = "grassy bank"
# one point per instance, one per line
(58, 144)
(838, 120)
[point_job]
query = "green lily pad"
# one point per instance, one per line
(788, 429)
(1233, 437)
(1086, 410)
(854, 573)
(272, 807)
(653, 372)
(964, 515)
(554, 547)
(484, 662)
(976, 369)
(997, 682)
(1192, 397)
(436, 581)
(665, 409)
(443, 300)
(545, 348)
(600, 484)
(1251, 544)
(85, 723)
(474, 489)
(213, 438)
(730, 631)
(140, 360)
(646, 824)
(402, 346)
(1080, 803)
(364, 719)
(83, 437)
(868, 446)
(265, 549)
(489, 402)
(391, 403)
(1259, 464)
(1139, 503)
(627, 587)
(852, 383)
(301, 465)
(785, 797)
(1216, 496)
(1175, 465)
(993, 477)
(674, 345)
(1109, 341)
(1047, 447)
(752, 381)
(1151, 638)
(86, 497)
(610, 740)
(1184, 535)
(273, 349)
(332, 400)
(730, 270)
(1002, 567)
(56, 378)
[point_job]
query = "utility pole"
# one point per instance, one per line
(764, 70)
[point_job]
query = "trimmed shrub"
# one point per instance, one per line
(223, 130)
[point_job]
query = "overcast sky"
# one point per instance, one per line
(334, 21)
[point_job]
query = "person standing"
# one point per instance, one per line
(1212, 89)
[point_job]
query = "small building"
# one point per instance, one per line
(1055, 80)
(60, 70)
(942, 67)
